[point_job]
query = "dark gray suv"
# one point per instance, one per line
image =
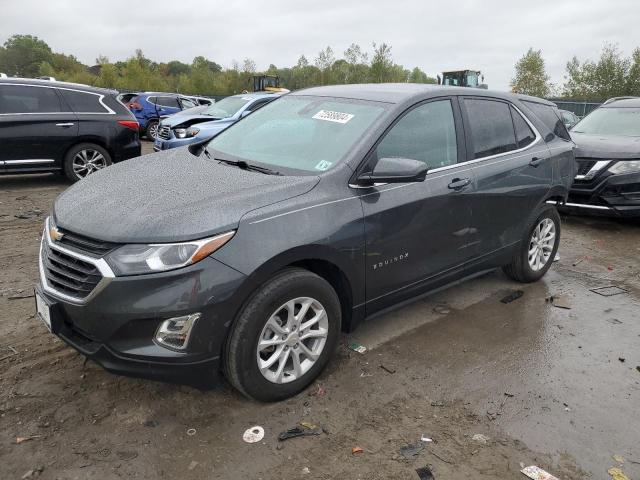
(250, 254)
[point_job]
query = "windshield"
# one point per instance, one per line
(611, 121)
(298, 132)
(227, 107)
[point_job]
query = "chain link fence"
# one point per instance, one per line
(581, 109)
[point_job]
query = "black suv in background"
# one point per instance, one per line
(608, 156)
(317, 211)
(50, 126)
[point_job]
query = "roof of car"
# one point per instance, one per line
(50, 83)
(402, 92)
(255, 95)
(622, 102)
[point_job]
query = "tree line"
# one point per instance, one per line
(611, 75)
(29, 56)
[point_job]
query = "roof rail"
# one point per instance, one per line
(615, 99)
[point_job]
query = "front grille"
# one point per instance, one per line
(584, 166)
(86, 245)
(68, 274)
(164, 133)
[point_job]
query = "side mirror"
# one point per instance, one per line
(395, 170)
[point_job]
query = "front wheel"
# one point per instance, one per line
(538, 248)
(284, 336)
(152, 130)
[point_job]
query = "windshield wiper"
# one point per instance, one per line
(247, 166)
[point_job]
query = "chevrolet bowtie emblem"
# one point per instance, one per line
(55, 234)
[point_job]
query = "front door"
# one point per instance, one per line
(417, 233)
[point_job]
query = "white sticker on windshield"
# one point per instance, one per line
(323, 165)
(330, 116)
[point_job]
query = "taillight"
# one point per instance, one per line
(135, 106)
(130, 124)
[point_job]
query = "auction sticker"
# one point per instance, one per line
(329, 116)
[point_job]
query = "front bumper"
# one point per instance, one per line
(116, 325)
(607, 194)
(162, 144)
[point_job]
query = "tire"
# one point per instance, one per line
(520, 268)
(84, 159)
(151, 132)
(267, 307)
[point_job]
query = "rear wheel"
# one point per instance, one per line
(152, 130)
(284, 336)
(85, 159)
(538, 248)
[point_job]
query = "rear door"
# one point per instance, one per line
(417, 233)
(36, 126)
(512, 170)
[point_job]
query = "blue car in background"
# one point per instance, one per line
(148, 107)
(183, 129)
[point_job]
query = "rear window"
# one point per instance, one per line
(491, 127)
(28, 99)
(550, 116)
(83, 102)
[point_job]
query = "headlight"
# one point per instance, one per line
(135, 259)
(625, 166)
(186, 132)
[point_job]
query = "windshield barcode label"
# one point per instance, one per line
(330, 116)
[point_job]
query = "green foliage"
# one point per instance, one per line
(612, 75)
(531, 76)
(23, 54)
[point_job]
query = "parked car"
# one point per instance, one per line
(177, 131)
(569, 118)
(202, 100)
(316, 212)
(48, 126)
(608, 158)
(148, 107)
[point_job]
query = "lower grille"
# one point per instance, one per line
(164, 133)
(67, 274)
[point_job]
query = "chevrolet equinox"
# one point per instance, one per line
(250, 254)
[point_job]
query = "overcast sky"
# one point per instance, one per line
(489, 35)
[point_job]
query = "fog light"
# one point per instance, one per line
(174, 333)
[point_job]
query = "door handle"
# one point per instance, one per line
(536, 161)
(65, 124)
(459, 183)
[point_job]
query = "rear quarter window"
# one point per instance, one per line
(550, 116)
(84, 102)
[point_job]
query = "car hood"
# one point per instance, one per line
(606, 146)
(169, 196)
(175, 120)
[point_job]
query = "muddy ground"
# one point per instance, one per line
(558, 388)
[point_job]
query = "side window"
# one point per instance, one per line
(491, 127)
(427, 133)
(26, 99)
(153, 100)
(524, 134)
(550, 116)
(168, 102)
(187, 103)
(82, 102)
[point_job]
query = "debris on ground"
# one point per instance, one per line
(438, 403)
(480, 438)
(609, 291)
(638, 368)
(441, 309)
(306, 470)
(424, 473)
(412, 450)
(319, 391)
(557, 257)
(426, 439)
(508, 394)
(560, 301)
(192, 465)
(33, 472)
(617, 474)
(191, 432)
(20, 440)
(356, 347)
(390, 370)
(578, 261)
(514, 295)
(618, 458)
(356, 450)
(299, 431)
(614, 321)
(536, 473)
(253, 434)
(621, 359)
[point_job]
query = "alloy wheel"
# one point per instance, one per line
(87, 161)
(541, 244)
(292, 340)
(153, 131)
